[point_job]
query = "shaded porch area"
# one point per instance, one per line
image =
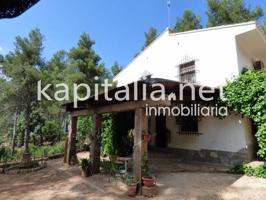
(137, 103)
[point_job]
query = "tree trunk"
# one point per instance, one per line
(71, 147)
(14, 136)
(95, 150)
(27, 130)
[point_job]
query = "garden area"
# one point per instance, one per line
(58, 181)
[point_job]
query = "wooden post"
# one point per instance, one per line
(71, 147)
(65, 151)
(95, 150)
(141, 124)
(144, 149)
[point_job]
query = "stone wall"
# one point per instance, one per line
(208, 156)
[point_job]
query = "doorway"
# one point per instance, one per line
(161, 136)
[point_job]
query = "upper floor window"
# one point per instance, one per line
(187, 72)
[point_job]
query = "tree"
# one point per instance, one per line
(246, 95)
(221, 12)
(150, 36)
(189, 21)
(22, 69)
(85, 61)
(116, 68)
(264, 27)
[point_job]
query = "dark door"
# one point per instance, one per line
(161, 137)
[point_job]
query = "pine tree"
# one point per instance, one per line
(22, 70)
(189, 21)
(221, 12)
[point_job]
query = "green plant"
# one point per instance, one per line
(85, 164)
(238, 169)
(258, 171)
(144, 167)
(107, 136)
(109, 167)
(145, 132)
(130, 181)
(50, 130)
(84, 128)
(3, 153)
(35, 164)
(247, 96)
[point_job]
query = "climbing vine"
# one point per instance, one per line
(247, 96)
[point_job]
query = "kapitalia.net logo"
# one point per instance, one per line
(82, 92)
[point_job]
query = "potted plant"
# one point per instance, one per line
(148, 181)
(85, 167)
(147, 178)
(146, 136)
(131, 187)
(112, 154)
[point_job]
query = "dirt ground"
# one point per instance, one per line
(58, 181)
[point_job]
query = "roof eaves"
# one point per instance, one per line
(214, 28)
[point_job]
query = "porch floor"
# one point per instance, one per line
(168, 162)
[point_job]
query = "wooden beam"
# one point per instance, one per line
(71, 157)
(80, 113)
(121, 107)
(95, 149)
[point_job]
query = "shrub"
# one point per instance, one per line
(246, 95)
(85, 163)
(84, 128)
(50, 130)
(109, 167)
(258, 171)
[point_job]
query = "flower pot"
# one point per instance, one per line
(147, 138)
(132, 190)
(84, 173)
(148, 181)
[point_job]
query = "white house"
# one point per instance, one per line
(206, 57)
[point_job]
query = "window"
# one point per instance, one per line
(189, 124)
(258, 65)
(187, 72)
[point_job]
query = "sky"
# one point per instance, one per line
(117, 26)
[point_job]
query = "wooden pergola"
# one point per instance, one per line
(101, 106)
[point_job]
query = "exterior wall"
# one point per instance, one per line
(218, 58)
(244, 60)
(214, 49)
(225, 141)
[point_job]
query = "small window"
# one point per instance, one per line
(187, 72)
(189, 124)
(258, 65)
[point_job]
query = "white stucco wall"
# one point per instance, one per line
(230, 134)
(215, 51)
(219, 57)
(244, 60)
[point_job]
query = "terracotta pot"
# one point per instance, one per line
(132, 190)
(85, 173)
(147, 138)
(148, 181)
